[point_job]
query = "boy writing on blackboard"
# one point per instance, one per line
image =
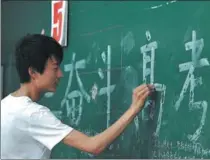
(29, 130)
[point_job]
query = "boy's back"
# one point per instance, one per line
(22, 131)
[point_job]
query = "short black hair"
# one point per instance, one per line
(33, 50)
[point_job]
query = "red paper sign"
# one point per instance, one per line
(59, 21)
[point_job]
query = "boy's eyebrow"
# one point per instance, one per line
(54, 62)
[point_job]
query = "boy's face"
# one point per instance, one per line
(49, 79)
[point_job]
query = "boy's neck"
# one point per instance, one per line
(28, 90)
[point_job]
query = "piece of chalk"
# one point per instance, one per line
(159, 87)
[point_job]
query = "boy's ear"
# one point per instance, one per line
(32, 72)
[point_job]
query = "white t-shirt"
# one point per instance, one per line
(28, 130)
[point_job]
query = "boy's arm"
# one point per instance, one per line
(98, 143)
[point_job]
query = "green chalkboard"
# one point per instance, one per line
(115, 46)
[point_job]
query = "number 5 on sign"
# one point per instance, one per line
(59, 21)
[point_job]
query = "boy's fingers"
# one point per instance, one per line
(142, 87)
(145, 95)
(139, 88)
(142, 92)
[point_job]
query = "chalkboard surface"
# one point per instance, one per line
(112, 48)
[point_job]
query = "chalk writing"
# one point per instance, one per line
(74, 111)
(148, 52)
(173, 150)
(196, 46)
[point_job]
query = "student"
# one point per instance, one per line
(29, 130)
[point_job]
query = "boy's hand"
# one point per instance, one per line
(139, 96)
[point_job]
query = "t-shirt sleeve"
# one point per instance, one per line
(46, 128)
